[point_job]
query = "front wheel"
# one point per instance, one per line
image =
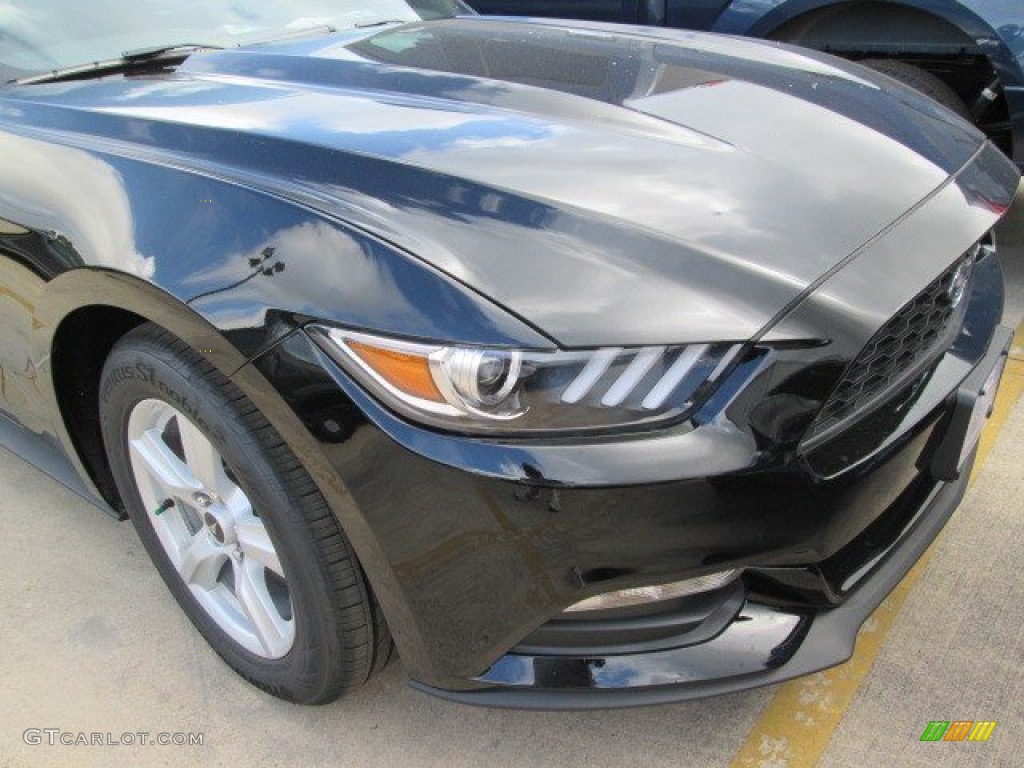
(235, 526)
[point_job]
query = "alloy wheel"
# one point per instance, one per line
(212, 535)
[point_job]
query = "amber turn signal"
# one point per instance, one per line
(408, 373)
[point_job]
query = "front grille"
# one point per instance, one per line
(905, 345)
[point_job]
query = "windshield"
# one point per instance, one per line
(43, 35)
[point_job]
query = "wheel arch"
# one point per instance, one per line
(871, 23)
(86, 313)
(84, 332)
(80, 347)
(916, 21)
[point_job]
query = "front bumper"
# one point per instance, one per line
(468, 567)
(764, 642)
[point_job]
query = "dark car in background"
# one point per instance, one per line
(967, 54)
(516, 341)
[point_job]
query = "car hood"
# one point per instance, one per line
(608, 185)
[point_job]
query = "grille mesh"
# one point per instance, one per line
(907, 342)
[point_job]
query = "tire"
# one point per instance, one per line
(248, 546)
(922, 81)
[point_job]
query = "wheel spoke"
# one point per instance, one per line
(164, 468)
(254, 541)
(202, 458)
(234, 500)
(272, 630)
(201, 561)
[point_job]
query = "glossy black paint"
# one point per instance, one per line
(380, 180)
(501, 182)
(765, 644)
(537, 536)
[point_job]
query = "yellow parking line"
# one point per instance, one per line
(797, 725)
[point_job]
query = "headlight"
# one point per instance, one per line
(471, 389)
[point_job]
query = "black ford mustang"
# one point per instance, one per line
(597, 367)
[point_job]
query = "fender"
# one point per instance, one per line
(229, 269)
(88, 221)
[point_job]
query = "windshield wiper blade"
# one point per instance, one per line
(293, 34)
(127, 60)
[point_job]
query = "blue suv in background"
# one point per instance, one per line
(968, 55)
